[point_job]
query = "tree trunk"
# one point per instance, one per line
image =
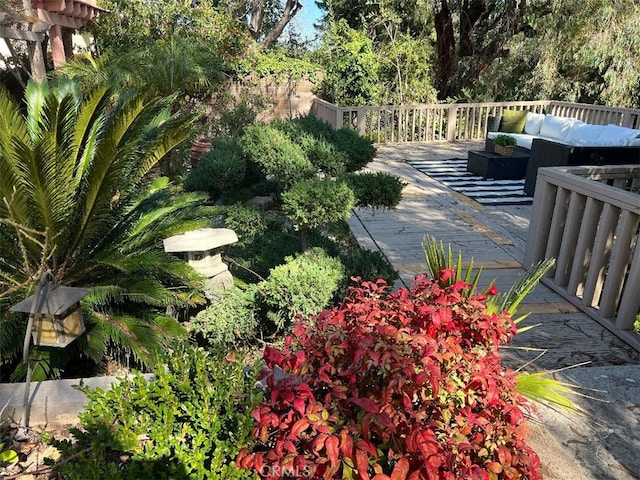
(305, 239)
(291, 8)
(257, 18)
(470, 13)
(446, 49)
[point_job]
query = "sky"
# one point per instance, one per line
(305, 19)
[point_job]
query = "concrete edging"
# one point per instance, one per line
(52, 401)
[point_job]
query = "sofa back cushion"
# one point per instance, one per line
(513, 121)
(534, 122)
(614, 132)
(556, 128)
(583, 133)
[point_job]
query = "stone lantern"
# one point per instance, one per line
(200, 248)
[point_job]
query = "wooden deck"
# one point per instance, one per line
(495, 236)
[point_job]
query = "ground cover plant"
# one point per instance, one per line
(188, 422)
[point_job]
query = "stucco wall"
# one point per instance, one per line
(289, 103)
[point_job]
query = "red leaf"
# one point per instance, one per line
(367, 447)
(446, 274)
(299, 427)
(299, 405)
(367, 404)
(331, 444)
(381, 476)
(362, 464)
(258, 462)
(318, 442)
(504, 455)
(401, 469)
(346, 443)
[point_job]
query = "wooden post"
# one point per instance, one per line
(36, 60)
(452, 114)
(36, 55)
(57, 46)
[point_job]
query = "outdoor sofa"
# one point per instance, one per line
(560, 141)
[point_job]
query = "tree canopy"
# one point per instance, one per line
(487, 49)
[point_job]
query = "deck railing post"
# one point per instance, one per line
(452, 118)
(339, 117)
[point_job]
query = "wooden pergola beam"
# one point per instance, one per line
(54, 15)
(60, 14)
(17, 34)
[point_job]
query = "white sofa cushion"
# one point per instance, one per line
(598, 142)
(615, 132)
(556, 128)
(581, 132)
(534, 122)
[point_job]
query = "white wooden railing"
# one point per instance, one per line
(588, 219)
(451, 122)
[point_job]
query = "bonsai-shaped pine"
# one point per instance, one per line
(317, 202)
(74, 168)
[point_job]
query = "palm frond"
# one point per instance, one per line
(132, 335)
(35, 97)
(76, 199)
(510, 301)
(540, 387)
(438, 259)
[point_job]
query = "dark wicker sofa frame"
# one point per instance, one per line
(547, 153)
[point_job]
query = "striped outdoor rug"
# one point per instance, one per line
(453, 173)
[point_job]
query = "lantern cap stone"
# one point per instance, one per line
(54, 300)
(200, 240)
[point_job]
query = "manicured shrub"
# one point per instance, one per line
(315, 126)
(296, 133)
(322, 154)
(312, 203)
(252, 261)
(359, 149)
(327, 158)
(188, 422)
(222, 168)
(247, 222)
(304, 285)
(375, 190)
(230, 319)
(404, 385)
(276, 154)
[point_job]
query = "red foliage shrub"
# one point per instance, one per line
(404, 385)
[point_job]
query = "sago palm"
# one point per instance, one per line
(76, 198)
